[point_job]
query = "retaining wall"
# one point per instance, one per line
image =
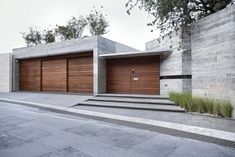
(213, 55)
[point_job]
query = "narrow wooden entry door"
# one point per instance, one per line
(145, 75)
(137, 75)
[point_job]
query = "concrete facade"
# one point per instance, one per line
(178, 64)
(206, 53)
(213, 55)
(5, 72)
(97, 44)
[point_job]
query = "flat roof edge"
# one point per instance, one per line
(162, 53)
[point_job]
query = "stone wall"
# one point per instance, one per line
(213, 55)
(5, 72)
(177, 64)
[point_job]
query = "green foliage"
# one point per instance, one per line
(226, 108)
(33, 37)
(73, 29)
(176, 14)
(49, 36)
(97, 23)
(202, 104)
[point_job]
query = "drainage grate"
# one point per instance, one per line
(225, 143)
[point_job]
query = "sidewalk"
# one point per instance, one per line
(214, 130)
(174, 117)
(64, 100)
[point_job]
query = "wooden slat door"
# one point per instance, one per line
(54, 75)
(118, 76)
(137, 75)
(145, 75)
(80, 74)
(30, 75)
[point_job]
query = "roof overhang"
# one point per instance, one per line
(162, 53)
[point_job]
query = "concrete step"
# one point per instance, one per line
(133, 100)
(152, 107)
(134, 96)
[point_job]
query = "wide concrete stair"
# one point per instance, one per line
(140, 102)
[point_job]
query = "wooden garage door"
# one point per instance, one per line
(54, 73)
(65, 73)
(138, 75)
(30, 75)
(80, 74)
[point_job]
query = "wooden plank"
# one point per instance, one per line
(54, 75)
(30, 72)
(144, 80)
(80, 74)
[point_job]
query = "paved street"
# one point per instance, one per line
(29, 132)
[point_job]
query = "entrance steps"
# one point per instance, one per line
(140, 102)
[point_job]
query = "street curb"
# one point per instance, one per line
(193, 132)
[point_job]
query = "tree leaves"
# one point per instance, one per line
(97, 23)
(73, 29)
(176, 14)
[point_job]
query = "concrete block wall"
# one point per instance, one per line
(177, 63)
(5, 72)
(57, 48)
(213, 55)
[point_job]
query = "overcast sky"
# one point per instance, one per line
(17, 15)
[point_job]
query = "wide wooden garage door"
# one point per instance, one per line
(54, 73)
(80, 74)
(30, 79)
(67, 73)
(137, 75)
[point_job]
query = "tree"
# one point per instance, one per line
(97, 23)
(49, 36)
(33, 37)
(176, 14)
(73, 29)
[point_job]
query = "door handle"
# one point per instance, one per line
(133, 70)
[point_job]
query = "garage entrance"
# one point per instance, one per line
(136, 75)
(65, 73)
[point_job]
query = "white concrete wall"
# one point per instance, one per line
(169, 85)
(177, 63)
(5, 72)
(213, 55)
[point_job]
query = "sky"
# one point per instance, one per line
(17, 15)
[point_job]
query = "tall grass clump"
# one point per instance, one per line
(226, 108)
(199, 104)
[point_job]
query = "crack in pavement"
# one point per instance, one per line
(175, 147)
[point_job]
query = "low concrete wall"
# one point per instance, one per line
(213, 55)
(177, 63)
(5, 72)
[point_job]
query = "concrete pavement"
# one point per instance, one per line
(30, 132)
(215, 130)
(64, 100)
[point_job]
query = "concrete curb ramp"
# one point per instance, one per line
(202, 134)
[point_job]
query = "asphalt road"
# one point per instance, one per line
(29, 132)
